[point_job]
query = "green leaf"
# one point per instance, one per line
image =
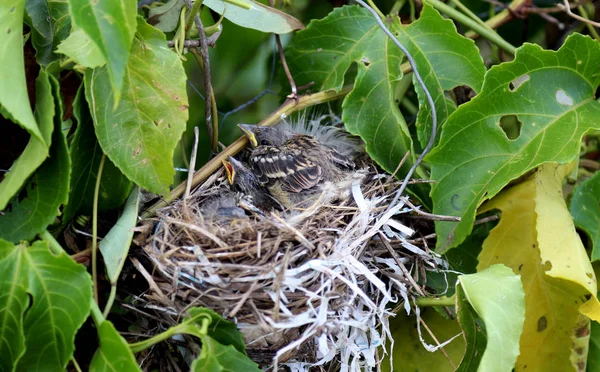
(473, 333)
(585, 209)
(80, 48)
(13, 90)
(552, 93)
(497, 296)
(13, 303)
(593, 361)
(60, 292)
(445, 60)
(86, 155)
(111, 25)
(140, 136)
(223, 331)
(324, 52)
(36, 150)
(258, 17)
(37, 205)
(50, 22)
(115, 245)
(219, 358)
(114, 353)
(166, 17)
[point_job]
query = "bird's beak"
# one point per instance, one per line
(249, 132)
(230, 171)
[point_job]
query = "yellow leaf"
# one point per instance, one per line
(537, 239)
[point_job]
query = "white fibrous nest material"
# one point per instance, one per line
(305, 288)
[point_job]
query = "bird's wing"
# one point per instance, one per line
(310, 144)
(286, 165)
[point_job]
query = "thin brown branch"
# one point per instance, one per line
(567, 8)
(294, 94)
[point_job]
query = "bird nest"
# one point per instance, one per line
(306, 287)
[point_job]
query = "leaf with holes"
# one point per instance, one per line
(36, 150)
(14, 101)
(37, 204)
(50, 23)
(86, 154)
(324, 52)
(585, 209)
(111, 25)
(140, 136)
(45, 299)
(551, 93)
(114, 353)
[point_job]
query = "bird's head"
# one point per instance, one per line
(240, 178)
(263, 135)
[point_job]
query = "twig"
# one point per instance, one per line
(430, 216)
(589, 164)
(437, 342)
(430, 102)
(567, 8)
(210, 106)
(294, 94)
(192, 165)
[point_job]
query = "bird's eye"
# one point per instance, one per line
(264, 142)
(236, 187)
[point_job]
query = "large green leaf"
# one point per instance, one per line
(59, 293)
(114, 353)
(140, 136)
(86, 155)
(552, 93)
(111, 25)
(50, 23)
(13, 90)
(116, 243)
(37, 204)
(13, 303)
(36, 150)
(497, 296)
(257, 16)
(473, 332)
(166, 17)
(324, 52)
(215, 357)
(585, 209)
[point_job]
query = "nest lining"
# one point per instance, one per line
(304, 287)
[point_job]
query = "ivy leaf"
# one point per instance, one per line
(116, 243)
(60, 291)
(496, 294)
(223, 331)
(585, 209)
(166, 17)
(79, 47)
(50, 22)
(111, 25)
(552, 93)
(36, 150)
(37, 205)
(14, 100)
(324, 52)
(219, 358)
(141, 134)
(114, 353)
(257, 16)
(86, 155)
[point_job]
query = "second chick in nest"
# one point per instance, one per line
(294, 167)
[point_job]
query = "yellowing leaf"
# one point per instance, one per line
(537, 239)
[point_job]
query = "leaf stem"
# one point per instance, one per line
(95, 313)
(192, 15)
(187, 326)
(375, 8)
(111, 300)
(436, 301)
(485, 31)
(589, 24)
(54, 246)
(95, 229)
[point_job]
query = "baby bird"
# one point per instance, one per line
(248, 187)
(293, 167)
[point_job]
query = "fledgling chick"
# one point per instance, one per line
(293, 167)
(223, 208)
(248, 186)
